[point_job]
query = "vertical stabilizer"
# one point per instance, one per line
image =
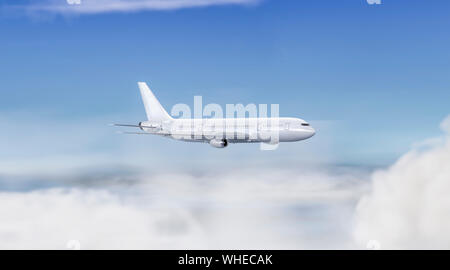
(155, 112)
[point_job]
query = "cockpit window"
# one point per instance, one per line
(305, 124)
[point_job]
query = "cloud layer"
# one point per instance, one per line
(102, 6)
(239, 209)
(409, 203)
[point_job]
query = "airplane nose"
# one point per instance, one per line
(311, 132)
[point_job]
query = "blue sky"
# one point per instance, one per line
(374, 78)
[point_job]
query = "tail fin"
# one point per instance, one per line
(154, 110)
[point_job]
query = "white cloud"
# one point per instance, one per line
(247, 209)
(445, 125)
(97, 219)
(409, 203)
(101, 6)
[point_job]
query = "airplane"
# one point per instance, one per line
(218, 132)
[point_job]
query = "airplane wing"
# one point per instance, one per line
(211, 134)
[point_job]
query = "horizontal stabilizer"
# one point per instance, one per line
(139, 133)
(138, 126)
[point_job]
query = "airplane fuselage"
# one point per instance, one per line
(218, 132)
(232, 130)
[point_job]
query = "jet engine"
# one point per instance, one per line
(148, 125)
(218, 143)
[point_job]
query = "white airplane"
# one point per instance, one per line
(218, 132)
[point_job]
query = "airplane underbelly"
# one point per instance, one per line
(242, 136)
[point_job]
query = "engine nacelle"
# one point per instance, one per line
(218, 143)
(146, 126)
